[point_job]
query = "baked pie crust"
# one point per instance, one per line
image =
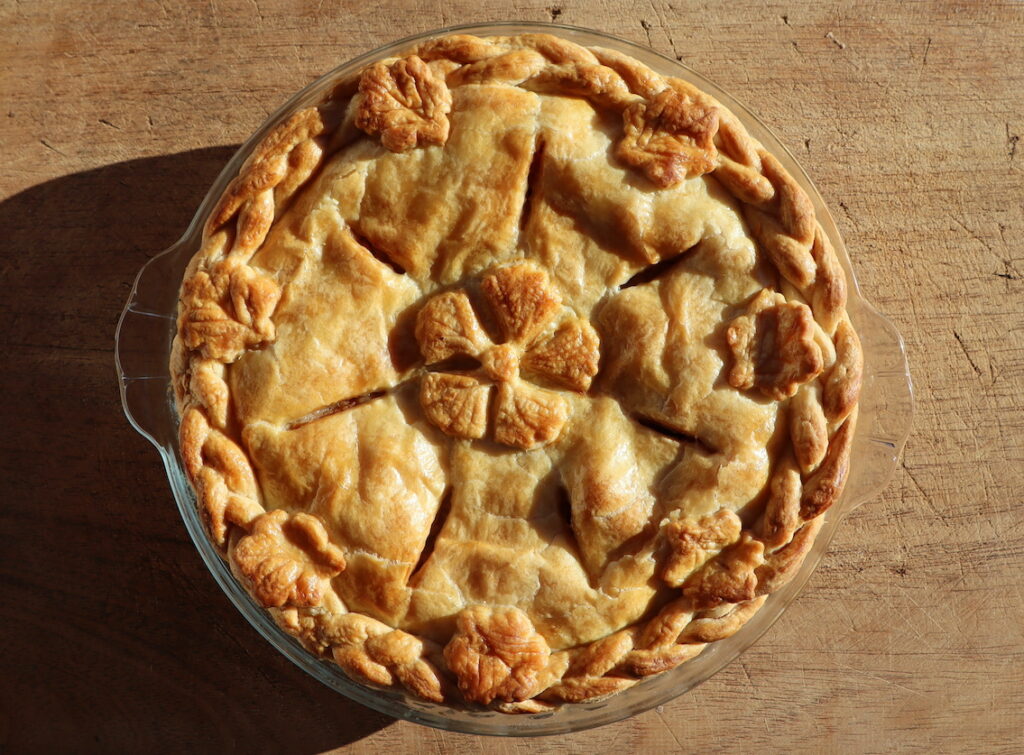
(514, 372)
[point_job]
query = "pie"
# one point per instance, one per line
(513, 372)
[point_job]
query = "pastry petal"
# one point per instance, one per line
(568, 357)
(523, 301)
(455, 403)
(447, 326)
(528, 417)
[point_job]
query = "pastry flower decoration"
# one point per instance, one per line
(693, 543)
(523, 305)
(496, 654)
(405, 103)
(227, 310)
(773, 346)
(670, 138)
(288, 560)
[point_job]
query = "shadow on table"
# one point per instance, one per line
(116, 637)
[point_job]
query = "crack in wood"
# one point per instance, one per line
(924, 493)
(679, 745)
(846, 211)
(664, 28)
(645, 24)
(51, 147)
(832, 38)
(973, 234)
(967, 354)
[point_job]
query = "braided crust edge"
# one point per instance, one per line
(226, 307)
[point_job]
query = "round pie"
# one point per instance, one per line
(513, 372)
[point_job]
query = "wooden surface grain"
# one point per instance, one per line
(117, 115)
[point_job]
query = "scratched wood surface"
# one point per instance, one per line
(116, 116)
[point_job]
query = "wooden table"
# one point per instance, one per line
(116, 116)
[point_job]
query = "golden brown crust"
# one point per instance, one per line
(522, 300)
(730, 578)
(374, 653)
(659, 660)
(842, 388)
(447, 327)
(692, 544)
(405, 103)
(712, 626)
(828, 297)
(598, 658)
(773, 347)
(568, 357)
(580, 690)
(264, 170)
(823, 488)
(670, 138)
(220, 473)
(785, 228)
(782, 509)
(457, 404)
(450, 229)
(287, 560)
(808, 428)
(500, 363)
(523, 303)
(496, 654)
(781, 566)
(527, 417)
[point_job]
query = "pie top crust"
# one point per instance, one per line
(514, 372)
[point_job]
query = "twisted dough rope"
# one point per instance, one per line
(212, 334)
(780, 215)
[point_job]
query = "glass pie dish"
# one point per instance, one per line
(146, 330)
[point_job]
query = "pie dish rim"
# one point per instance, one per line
(659, 689)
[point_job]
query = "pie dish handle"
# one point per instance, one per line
(143, 339)
(886, 406)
